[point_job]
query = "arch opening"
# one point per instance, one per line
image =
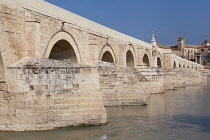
(159, 63)
(63, 50)
(107, 57)
(180, 65)
(146, 60)
(174, 66)
(130, 59)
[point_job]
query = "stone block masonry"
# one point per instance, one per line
(182, 77)
(125, 86)
(122, 86)
(50, 75)
(45, 94)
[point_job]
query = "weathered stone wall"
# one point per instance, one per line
(121, 86)
(207, 73)
(182, 77)
(126, 86)
(38, 93)
(44, 94)
(155, 79)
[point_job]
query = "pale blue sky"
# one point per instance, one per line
(138, 18)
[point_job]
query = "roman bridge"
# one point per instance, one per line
(59, 69)
(63, 46)
(36, 30)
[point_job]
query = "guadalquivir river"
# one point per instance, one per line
(182, 114)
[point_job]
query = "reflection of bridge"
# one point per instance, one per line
(61, 93)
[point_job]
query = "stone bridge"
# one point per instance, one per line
(59, 69)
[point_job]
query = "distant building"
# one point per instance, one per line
(197, 53)
(203, 54)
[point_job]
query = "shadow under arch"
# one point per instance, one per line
(107, 54)
(129, 55)
(159, 64)
(107, 57)
(146, 60)
(62, 50)
(130, 59)
(174, 65)
(61, 42)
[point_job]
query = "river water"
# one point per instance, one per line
(182, 114)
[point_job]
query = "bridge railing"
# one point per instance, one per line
(185, 62)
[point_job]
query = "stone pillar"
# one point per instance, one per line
(33, 40)
(93, 50)
(121, 55)
(139, 61)
(154, 63)
(37, 39)
(200, 61)
(138, 56)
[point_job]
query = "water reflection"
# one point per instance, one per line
(201, 122)
(176, 115)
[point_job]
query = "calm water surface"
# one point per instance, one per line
(176, 115)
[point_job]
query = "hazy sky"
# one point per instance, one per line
(138, 18)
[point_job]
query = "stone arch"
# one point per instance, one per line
(174, 65)
(62, 50)
(180, 65)
(159, 64)
(107, 54)
(69, 45)
(146, 60)
(130, 59)
(107, 57)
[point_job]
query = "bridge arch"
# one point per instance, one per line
(130, 56)
(107, 55)
(63, 46)
(159, 64)
(146, 60)
(130, 59)
(174, 65)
